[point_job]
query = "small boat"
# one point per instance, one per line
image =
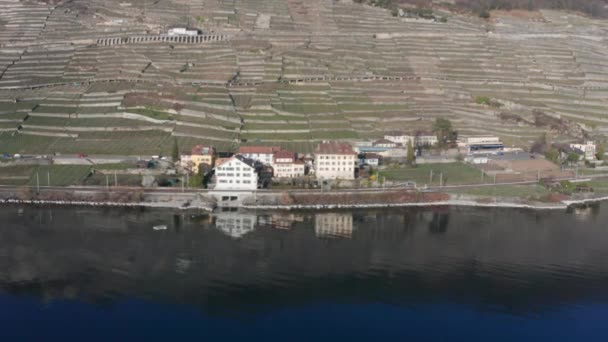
(160, 227)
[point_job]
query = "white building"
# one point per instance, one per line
(371, 159)
(182, 31)
(335, 160)
(419, 138)
(263, 154)
(237, 173)
(425, 139)
(588, 149)
(385, 143)
(399, 137)
(286, 165)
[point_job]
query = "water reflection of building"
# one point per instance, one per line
(280, 221)
(334, 225)
(235, 224)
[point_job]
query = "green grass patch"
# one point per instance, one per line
(59, 175)
(453, 174)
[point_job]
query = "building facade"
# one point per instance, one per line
(425, 139)
(286, 165)
(371, 159)
(335, 160)
(399, 137)
(588, 149)
(263, 154)
(237, 173)
(419, 138)
(198, 156)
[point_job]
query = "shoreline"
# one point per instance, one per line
(106, 204)
(451, 202)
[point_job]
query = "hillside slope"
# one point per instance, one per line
(103, 78)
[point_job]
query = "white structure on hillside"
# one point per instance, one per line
(237, 173)
(335, 160)
(588, 149)
(480, 144)
(419, 138)
(182, 31)
(263, 154)
(425, 139)
(399, 137)
(286, 165)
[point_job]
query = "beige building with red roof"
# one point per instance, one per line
(335, 160)
(286, 165)
(198, 156)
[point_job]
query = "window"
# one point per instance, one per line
(246, 182)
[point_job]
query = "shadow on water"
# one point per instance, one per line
(235, 263)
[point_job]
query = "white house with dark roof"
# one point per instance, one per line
(236, 173)
(263, 154)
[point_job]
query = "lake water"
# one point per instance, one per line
(457, 274)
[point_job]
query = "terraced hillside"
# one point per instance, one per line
(102, 77)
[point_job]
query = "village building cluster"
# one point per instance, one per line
(254, 167)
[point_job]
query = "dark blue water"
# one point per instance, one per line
(420, 275)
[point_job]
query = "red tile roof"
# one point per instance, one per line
(283, 154)
(220, 161)
(259, 149)
(200, 150)
(334, 147)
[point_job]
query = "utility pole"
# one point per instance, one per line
(441, 180)
(107, 182)
(115, 179)
(431, 178)
(48, 178)
(37, 183)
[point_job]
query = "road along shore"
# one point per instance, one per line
(276, 200)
